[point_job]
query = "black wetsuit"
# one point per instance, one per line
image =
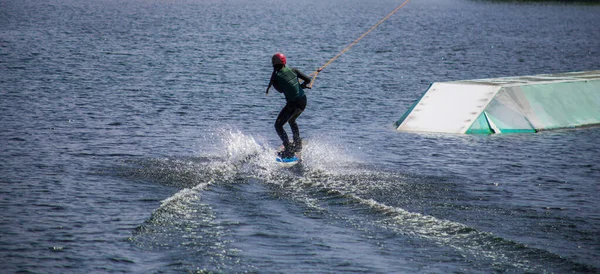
(285, 80)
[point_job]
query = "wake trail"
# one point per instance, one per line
(325, 176)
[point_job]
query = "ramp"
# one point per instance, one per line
(507, 105)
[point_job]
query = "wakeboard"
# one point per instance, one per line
(287, 161)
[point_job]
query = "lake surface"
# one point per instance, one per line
(137, 137)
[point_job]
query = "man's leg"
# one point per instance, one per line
(284, 116)
(299, 107)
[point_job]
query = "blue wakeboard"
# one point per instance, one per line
(288, 162)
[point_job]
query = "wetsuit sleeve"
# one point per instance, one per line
(271, 81)
(272, 77)
(301, 75)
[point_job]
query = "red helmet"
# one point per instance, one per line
(278, 59)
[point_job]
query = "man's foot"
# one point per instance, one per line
(287, 152)
(284, 154)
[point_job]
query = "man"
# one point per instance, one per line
(285, 80)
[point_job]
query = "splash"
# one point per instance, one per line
(250, 155)
(320, 154)
(239, 147)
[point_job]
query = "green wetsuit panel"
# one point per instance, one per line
(286, 81)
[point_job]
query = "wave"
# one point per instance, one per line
(327, 180)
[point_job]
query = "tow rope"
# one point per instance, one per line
(314, 74)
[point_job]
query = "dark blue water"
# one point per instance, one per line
(136, 137)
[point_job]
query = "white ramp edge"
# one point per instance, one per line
(507, 105)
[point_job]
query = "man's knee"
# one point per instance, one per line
(278, 125)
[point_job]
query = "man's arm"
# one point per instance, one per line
(270, 82)
(302, 76)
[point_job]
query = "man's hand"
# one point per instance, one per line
(305, 85)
